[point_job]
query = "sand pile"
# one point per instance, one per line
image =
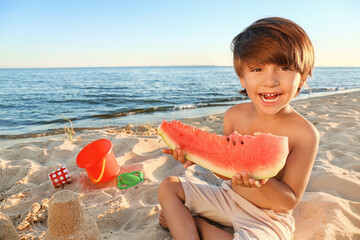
(7, 229)
(67, 221)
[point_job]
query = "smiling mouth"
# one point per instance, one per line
(270, 97)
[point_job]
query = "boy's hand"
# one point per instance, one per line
(179, 156)
(244, 180)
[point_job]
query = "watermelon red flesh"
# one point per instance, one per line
(262, 155)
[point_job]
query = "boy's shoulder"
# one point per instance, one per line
(242, 108)
(303, 129)
(303, 136)
(240, 112)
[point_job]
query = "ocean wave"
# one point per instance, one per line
(183, 107)
(324, 89)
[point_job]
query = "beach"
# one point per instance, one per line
(329, 209)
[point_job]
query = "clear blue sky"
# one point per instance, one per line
(156, 33)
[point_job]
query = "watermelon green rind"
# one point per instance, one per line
(262, 155)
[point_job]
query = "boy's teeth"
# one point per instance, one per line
(273, 97)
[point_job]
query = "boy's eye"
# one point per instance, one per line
(256, 70)
(285, 68)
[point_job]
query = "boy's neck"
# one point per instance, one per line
(281, 113)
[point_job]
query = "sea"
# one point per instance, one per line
(36, 101)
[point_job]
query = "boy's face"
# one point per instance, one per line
(271, 87)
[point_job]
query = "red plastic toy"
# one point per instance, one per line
(60, 177)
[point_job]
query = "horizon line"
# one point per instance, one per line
(5, 68)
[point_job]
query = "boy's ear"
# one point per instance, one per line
(242, 82)
(302, 83)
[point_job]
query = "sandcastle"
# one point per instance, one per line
(7, 229)
(67, 221)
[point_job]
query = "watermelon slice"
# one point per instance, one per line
(262, 155)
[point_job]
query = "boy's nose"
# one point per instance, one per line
(271, 80)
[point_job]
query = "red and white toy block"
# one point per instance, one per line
(60, 177)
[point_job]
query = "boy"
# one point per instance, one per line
(273, 58)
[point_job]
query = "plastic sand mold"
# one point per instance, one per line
(127, 180)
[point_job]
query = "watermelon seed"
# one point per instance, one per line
(228, 139)
(241, 142)
(234, 143)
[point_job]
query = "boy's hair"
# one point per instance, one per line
(274, 40)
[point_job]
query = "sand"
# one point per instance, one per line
(330, 208)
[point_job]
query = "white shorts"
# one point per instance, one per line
(224, 206)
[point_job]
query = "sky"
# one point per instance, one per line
(110, 33)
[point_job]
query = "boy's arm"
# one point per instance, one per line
(287, 192)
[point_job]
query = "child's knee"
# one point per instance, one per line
(170, 186)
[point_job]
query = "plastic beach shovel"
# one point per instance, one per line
(127, 180)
